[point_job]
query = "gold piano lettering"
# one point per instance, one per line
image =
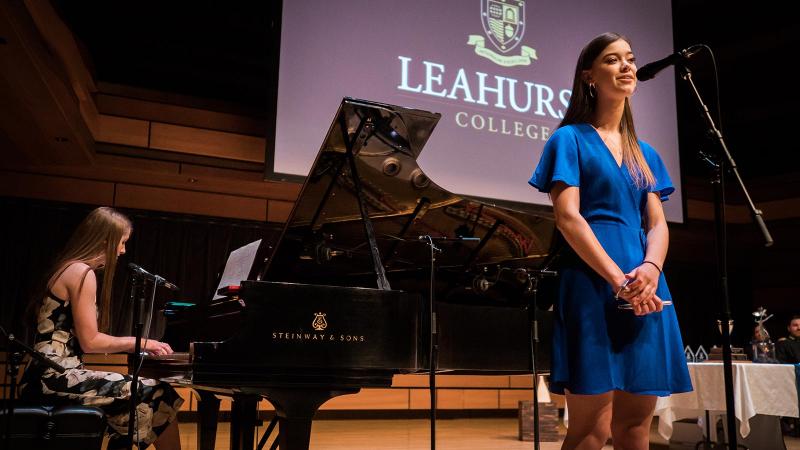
(321, 337)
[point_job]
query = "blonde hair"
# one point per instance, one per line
(582, 105)
(95, 244)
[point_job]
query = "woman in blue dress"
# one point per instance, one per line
(607, 187)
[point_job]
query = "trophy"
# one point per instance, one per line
(763, 348)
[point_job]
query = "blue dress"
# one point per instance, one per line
(596, 346)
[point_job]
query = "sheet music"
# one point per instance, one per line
(240, 261)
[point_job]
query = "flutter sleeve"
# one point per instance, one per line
(663, 185)
(559, 161)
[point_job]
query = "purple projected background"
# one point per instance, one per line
(418, 54)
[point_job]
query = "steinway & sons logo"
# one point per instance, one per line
(504, 24)
(319, 323)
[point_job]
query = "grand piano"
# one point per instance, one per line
(339, 300)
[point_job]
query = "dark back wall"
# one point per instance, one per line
(757, 276)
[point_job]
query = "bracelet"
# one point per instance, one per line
(654, 265)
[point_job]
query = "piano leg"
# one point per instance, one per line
(208, 411)
(295, 409)
(244, 417)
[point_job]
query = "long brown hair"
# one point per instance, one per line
(95, 244)
(582, 105)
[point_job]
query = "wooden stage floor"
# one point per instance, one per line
(413, 434)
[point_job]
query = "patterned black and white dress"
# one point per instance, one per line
(109, 391)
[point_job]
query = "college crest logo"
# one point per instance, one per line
(503, 22)
(504, 25)
(319, 322)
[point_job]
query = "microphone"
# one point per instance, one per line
(158, 279)
(650, 70)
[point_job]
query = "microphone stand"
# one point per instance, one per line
(433, 348)
(14, 353)
(534, 350)
(137, 301)
(718, 181)
(534, 276)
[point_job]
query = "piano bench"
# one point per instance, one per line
(63, 427)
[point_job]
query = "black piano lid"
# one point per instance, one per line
(324, 239)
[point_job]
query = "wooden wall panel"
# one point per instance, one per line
(186, 395)
(219, 172)
(144, 165)
(102, 358)
(482, 399)
(370, 399)
(155, 185)
(265, 405)
(49, 187)
(178, 115)
(27, 142)
(409, 381)
(445, 399)
(211, 143)
(121, 130)
(509, 399)
(224, 403)
(39, 110)
(203, 203)
(520, 381)
(128, 170)
(470, 381)
(278, 211)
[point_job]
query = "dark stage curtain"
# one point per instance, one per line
(187, 250)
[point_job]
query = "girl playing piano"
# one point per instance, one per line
(67, 327)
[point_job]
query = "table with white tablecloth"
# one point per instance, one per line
(769, 389)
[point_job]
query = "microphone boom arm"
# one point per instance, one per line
(157, 279)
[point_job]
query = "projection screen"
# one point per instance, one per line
(499, 71)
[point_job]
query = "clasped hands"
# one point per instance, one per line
(639, 289)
